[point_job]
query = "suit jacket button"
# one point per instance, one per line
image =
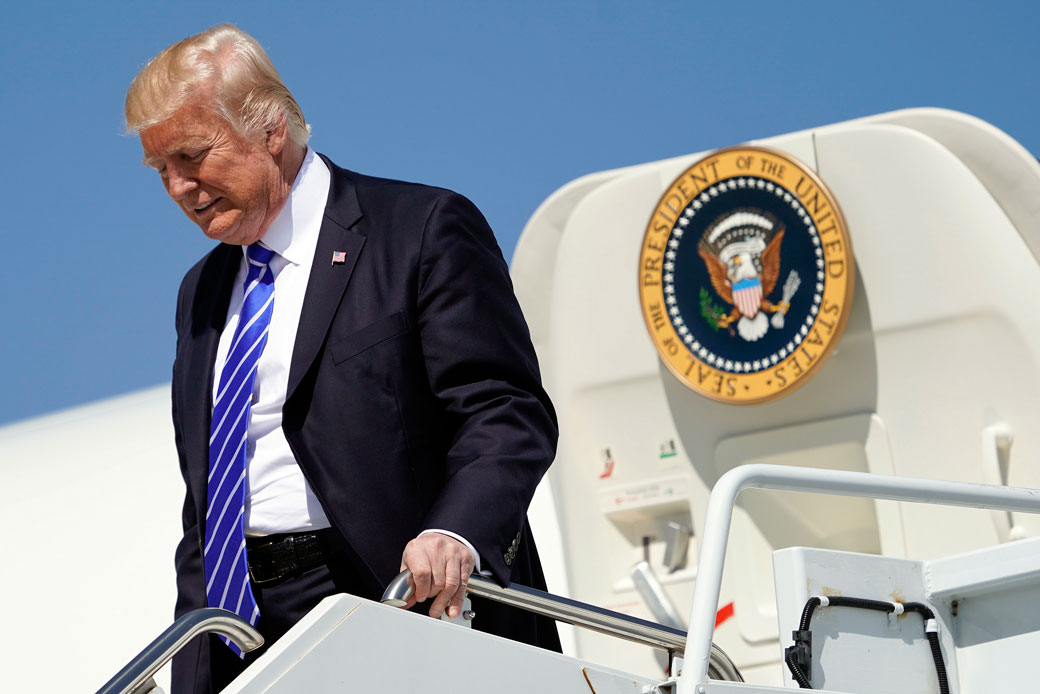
(508, 559)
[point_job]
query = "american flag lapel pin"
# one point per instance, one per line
(339, 257)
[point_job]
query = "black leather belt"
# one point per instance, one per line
(276, 557)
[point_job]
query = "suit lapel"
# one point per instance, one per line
(208, 316)
(328, 280)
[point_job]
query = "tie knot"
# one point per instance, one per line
(258, 254)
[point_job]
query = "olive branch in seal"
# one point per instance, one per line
(711, 311)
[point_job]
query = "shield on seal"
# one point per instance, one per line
(747, 296)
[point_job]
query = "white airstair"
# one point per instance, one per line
(977, 618)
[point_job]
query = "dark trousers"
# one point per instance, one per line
(207, 665)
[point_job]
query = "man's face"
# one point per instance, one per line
(229, 185)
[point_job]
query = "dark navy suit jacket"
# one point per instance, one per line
(414, 399)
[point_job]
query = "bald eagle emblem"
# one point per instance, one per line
(741, 250)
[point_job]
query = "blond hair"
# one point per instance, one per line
(223, 68)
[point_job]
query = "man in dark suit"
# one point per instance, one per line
(392, 415)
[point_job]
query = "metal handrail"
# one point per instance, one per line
(577, 613)
(823, 481)
(136, 677)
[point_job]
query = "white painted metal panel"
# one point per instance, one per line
(350, 644)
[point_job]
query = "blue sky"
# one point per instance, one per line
(504, 102)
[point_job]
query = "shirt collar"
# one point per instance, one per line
(294, 232)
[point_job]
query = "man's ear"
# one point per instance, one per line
(277, 136)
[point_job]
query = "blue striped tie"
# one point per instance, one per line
(227, 572)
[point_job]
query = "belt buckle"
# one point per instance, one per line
(264, 581)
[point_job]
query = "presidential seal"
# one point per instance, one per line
(746, 275)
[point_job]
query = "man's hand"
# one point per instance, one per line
(440, 567)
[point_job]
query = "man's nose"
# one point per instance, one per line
(179, 182)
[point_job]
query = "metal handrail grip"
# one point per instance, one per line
(139, 671)
(719, 515)
(573, 612)
(580, 614)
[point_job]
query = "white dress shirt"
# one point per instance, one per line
(278, 497)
